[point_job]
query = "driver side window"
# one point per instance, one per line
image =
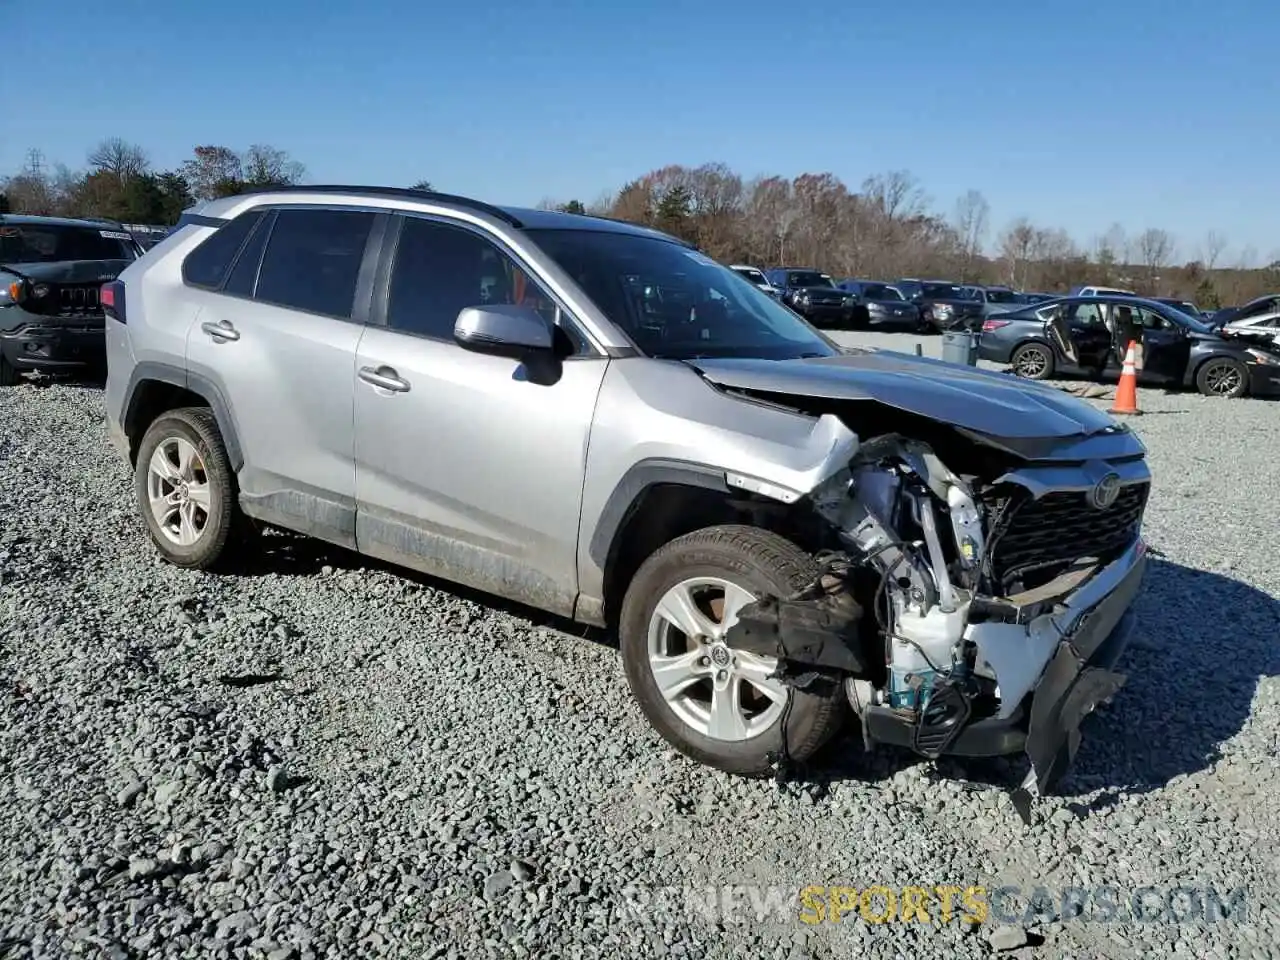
(441, 269)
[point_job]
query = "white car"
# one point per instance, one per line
(756, 276)
(1265, 324)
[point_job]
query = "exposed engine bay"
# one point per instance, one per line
(966, 614)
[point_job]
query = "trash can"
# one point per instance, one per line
(960, 346)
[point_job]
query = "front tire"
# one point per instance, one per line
(714, 704)
(1222, 377)
(1032, 361)
(8, 374)
(185, 488)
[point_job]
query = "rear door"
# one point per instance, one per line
(279, 340)
(1080, 332)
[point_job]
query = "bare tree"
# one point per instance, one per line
(970, 223)
(1017, 246)
(1155, 251)
(1212, 248)
(119, 157)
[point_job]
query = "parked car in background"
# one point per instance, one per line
(999, 299)
(1040, 297)
(756, 276)
(51, 272)
(703, 474)
(1186, 306)
(1092, 291)
(879, 304)
(1090, 336)
(943, 304)
(813, 295)
(1259, 306)
(1261, 325)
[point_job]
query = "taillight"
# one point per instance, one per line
(989, 325)
(111, 296)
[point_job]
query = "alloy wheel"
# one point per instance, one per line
(722, 693)
(1222, 379)
(178, 491)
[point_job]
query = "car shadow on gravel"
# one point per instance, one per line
(1204, 641)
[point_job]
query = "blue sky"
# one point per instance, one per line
(1075, 114)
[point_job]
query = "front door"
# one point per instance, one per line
(1166, 348)
(470, 466)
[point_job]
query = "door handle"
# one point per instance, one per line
(222, 330)
(384, 377)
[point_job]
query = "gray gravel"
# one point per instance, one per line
(320, 756)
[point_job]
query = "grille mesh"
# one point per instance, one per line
(1060, 527)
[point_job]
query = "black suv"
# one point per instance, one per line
(51, 271)
(943, 305)
(813, 295)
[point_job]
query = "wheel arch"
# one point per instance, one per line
(155, 388)
(659, 500)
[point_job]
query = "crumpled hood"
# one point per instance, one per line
(69, 271)
(995, 404)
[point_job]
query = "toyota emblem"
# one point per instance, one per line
(1105, 491)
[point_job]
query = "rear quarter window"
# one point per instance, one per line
(207, 265)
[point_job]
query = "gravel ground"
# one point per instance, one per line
(322, 757)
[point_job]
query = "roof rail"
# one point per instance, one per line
(406, 193)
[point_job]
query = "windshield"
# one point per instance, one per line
(53, 242)
(943, 291)
(879, 291)
(676, 303)
(809, 279)
(1003, 296)
(755, 276)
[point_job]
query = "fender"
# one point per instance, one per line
(176, 376)
(640, 477)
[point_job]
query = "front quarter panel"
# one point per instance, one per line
(660, 412)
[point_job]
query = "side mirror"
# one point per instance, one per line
(503, 330)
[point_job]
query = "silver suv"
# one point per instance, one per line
(599, 421)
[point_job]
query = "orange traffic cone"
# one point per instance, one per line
(1127, 392)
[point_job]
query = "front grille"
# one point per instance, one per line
(79, 300)
(1059, 528)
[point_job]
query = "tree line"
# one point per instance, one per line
(119, 182)
(887, 227)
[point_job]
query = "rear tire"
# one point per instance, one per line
(1032, 361)
(1222, 377)
(709, 566)
(186, 491)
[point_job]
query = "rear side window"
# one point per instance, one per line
(207, 264)
(313, 259)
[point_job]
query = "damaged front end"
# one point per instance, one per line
(974, 612)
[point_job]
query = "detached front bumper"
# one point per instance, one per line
(1050, 656)
(1078, 642)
